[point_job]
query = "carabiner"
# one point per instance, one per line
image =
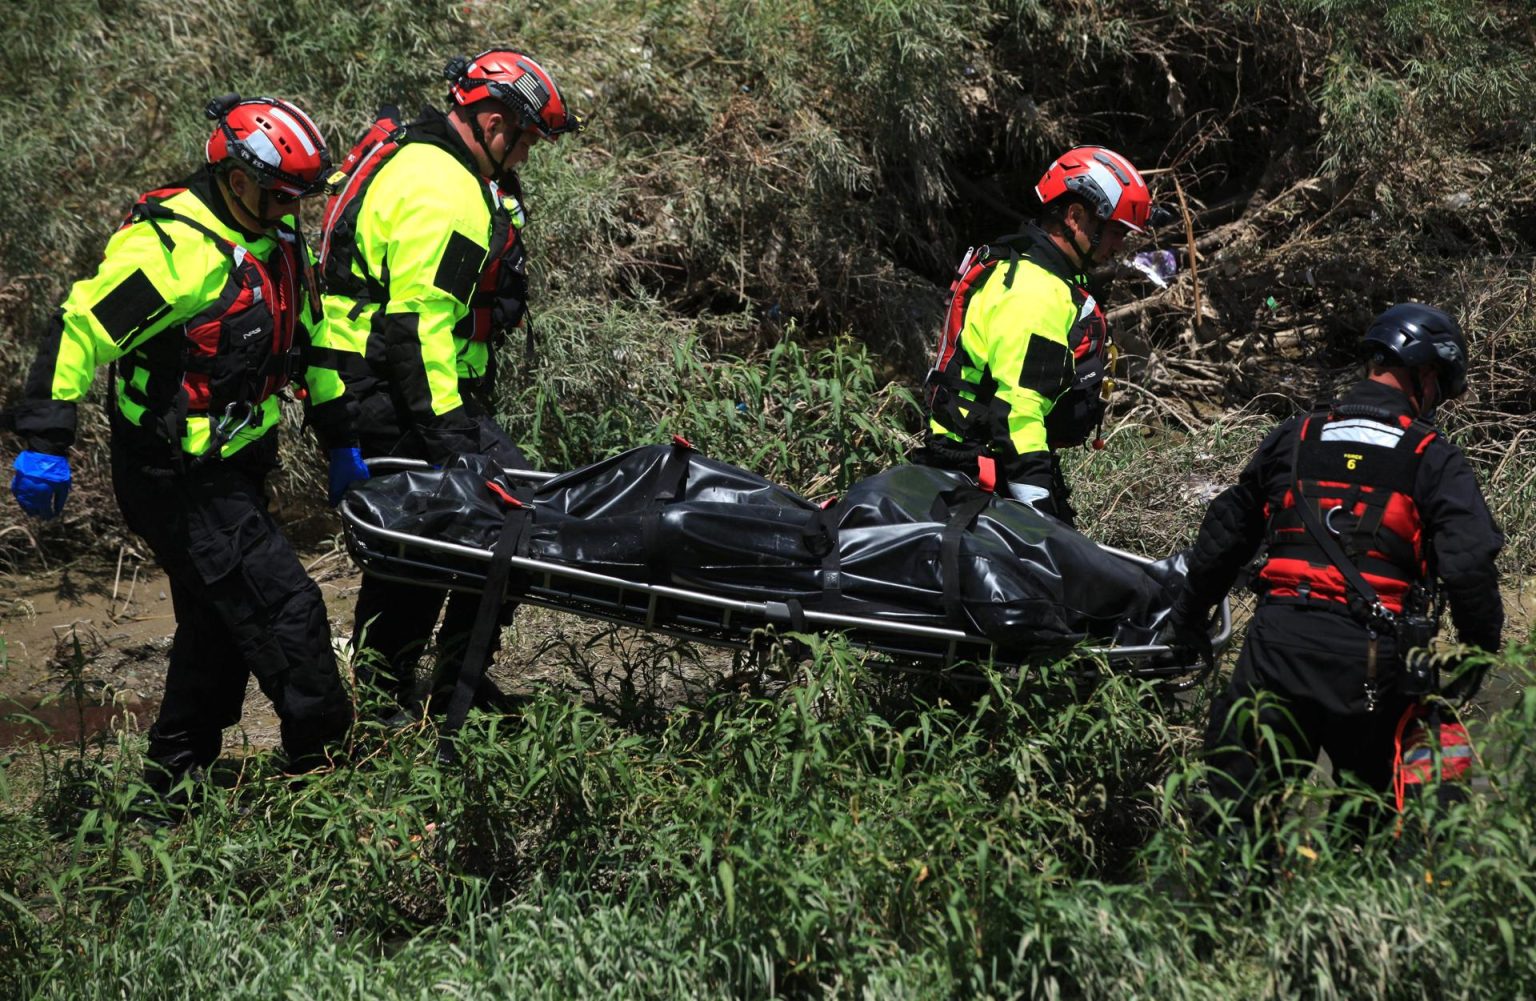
(221, 429)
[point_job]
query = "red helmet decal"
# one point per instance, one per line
(519, 83)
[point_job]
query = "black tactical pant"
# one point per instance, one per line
(393, 622)
(393, 625)
(243, 605)
(1254, 746)
(1295, 692)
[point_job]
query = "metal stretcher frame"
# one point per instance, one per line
(734, 623)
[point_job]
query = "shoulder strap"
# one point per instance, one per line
(1004, 248)
(345, 186)
(152, 210)
(1381, 617)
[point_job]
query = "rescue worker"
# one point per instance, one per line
(424, 270)
(1022, 363)
(201, 305)
(1361, 508)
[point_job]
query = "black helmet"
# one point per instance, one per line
(1414, 334)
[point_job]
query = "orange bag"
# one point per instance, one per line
(1425, 743)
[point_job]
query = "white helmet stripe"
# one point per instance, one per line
(294, 127)
(1134, 175)
(266, 152)
(1107, 182)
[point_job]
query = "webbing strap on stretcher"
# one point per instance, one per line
(510, 543)
(477, 651)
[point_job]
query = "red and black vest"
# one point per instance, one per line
(241, 349)
(1357, 471)
(1076, 414)
(500, 296)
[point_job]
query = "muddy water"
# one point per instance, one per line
(68, 634)
(107, 633)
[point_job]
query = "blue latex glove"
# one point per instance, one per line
(347, 468)
(41, 483)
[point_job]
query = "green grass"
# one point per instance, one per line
(841, 837)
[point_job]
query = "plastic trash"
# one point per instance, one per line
(1157, 265)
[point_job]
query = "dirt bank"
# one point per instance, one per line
(104, 631)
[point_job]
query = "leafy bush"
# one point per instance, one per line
(844, 836)
(815, 419)
(752, 166)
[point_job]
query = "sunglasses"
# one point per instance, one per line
(280, 196)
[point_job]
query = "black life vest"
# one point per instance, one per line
(1076, 415)
(1356, 465)
(499, 300)
(241, 349)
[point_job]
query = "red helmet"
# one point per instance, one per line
(279, 144)
(518, 82)
(1104, 179)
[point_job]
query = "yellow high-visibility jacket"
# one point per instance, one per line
(1022, 361)
(423, 270)
(205, 322)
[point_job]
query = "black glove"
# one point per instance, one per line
(1187, 631)
(1465, 679)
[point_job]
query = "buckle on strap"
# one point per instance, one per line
(236, 418)
(986, 473)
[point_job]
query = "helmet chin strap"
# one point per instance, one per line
(259, 217)
(498, 167)
(1420, 399)
(1084, 260)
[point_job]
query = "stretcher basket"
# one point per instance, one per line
(718, 620)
